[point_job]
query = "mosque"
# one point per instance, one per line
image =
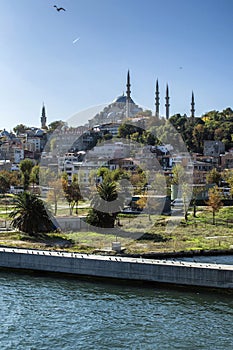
(123, 107)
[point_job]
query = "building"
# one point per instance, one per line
(226, 160)
(213, 148)
(122, 108)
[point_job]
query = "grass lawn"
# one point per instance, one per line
(153, 235)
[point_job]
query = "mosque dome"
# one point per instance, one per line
(122, 99)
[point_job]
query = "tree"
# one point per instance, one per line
(214, 202)
(107, 136)
(4, 183)
(72, 192)
(196, 191)
(20, 129)
(213, 177)
(178, 174)
(105, 205)
(228, 176)
(34, 175)
(126, 130)
(29, 215)
(55, 192)
(58, 124)
(199, 133)
(186, 195)
(150, 204)
(159, 184)
(142, 203)
(46, 175)
(138, 180)
(26, 166)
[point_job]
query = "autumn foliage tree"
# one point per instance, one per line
(72, 192)
(214, 202)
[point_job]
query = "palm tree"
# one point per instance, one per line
(29, 215)
(106, 204)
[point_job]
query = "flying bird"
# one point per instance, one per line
(75, 40)
(59, 8)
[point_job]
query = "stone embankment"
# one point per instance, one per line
(137, 269)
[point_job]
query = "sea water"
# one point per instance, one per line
(53, 312)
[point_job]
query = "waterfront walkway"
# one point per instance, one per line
(62, 254)
(168, 271)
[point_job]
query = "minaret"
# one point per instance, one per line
(157, 99)
(128, 98)
(43, 118)
(167, 105)
(192, 106)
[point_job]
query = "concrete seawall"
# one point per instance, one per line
(150, 270)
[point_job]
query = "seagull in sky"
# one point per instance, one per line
(75, 40)
(59, 8)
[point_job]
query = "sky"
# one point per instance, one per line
(186, 44)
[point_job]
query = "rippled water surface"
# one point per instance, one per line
(58, 313)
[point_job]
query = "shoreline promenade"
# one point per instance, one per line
(161, 271)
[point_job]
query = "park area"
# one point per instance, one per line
(138, 234)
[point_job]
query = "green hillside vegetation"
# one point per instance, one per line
(213, 125)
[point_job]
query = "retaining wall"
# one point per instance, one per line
(71, 223)
(160, 271)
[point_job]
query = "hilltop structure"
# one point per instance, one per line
(124, 107)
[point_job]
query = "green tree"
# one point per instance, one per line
(107, 136)
(30, 216)
(26, 166)
(101, 214)
(213, 177)
(126, 130)
(58, 124)
(178, 121)
(4, 183)
(46, 175)
(20, 129)
(178, 174)
(200, 133)
(34, 175)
